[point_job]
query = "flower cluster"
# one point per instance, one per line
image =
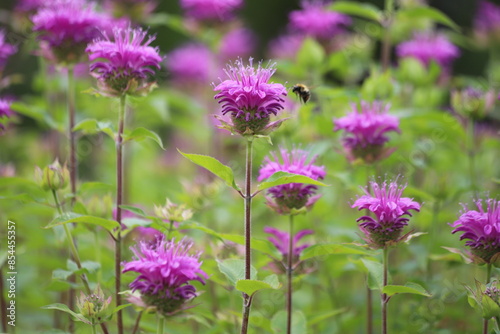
(165, 270)
(316, 20)
(427, 47)
(481, 229)
(6, 50)
(487, 22)
(249, 98)
(211, 10)
(293, 196)
(280, 240)
(191, 64)
(94, 307)
(123, 63)
(389, 209)
(366, 127)
(67, 26)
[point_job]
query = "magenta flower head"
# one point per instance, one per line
(123, 64)
(238, 43)
(287, 198)
(249, 98)
(280, 240)
(487, 22)
(210, 10)
(390, 211)
(165, 271)
(365, 131)
(427, 47)
(317, 21)
(66, 27)
(286, 46)
(481, 229)
(191, 64)
(6, 50)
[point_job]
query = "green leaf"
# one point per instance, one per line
(37, 113)
(427, 13)
(121, 307)
(410, 287)
(376, 273)
(234, 270)
(72, 217)
(214, 166)
(95, 186)
(134, 210)
(280, 178)
(299, 322)
(93, 126)
(311, 54)
(332, 249)
(143, 133)
(328, 314)
(250, 286)
(362, 10)
(64, 308)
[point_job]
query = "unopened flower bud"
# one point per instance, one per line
(173, 212)
(473, 103)
(52, 177)
(94, 307)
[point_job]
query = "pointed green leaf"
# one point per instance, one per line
(121, 307)
(427, 13)
(134, 210)
(38, 114)
(214, 166)
(364, 10)
(71, 217)
(64, 308)
(250, 286)
(234, 270)
(280, 178)
(410, 287)
(141, 134)
(299, 322)
(332, 249)
(93, 126)
(376, 273)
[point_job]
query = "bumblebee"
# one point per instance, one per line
(302, 92)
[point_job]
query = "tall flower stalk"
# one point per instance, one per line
(386, 37)
(122, 65)
(248, 101)
(73, 168)
(291, 199)
(384, 230)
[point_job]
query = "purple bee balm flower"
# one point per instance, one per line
(427, 47)
(238, 43)
(165, 271)
(487, 21)
(316, 20)
(389, 209)
(122, 64)
(211, 10)
(67, 26)
(6, 50)
(365, 131)
(481, 229)
(286, 46)
(249, 98)
(191, 64)
(280, 240)
(286, 197)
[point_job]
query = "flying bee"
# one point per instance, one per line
(302, 91)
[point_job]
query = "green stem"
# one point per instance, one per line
(72, 245)
(369, 296)
(170, 228)
(94, 330)
(385, 300)
(289, 273)
(247, 300)
(72, 137)
(119, 202)
(386, 39)
(471, 153)
(488, 279)
(161, 320)
(137, 322)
